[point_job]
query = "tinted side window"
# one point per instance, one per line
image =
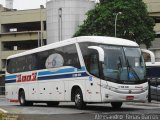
(67, 55)
(11, 66)
(70, 56)
(31, 62)
(90, 58)
(15, 65)
(22, 64)
(42, 56)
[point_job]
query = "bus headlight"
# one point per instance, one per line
(145, 89)
(109, 87)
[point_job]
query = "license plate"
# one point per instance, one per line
(129, 97)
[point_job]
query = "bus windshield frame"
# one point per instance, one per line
(122, 64)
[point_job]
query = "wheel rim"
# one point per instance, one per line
(77, 98)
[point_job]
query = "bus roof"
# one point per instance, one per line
(96, 39)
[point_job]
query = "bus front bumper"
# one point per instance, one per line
(111, 96)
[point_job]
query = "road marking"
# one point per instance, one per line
(4, 111)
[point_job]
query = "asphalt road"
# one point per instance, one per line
(67, 111)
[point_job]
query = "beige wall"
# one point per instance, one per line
(153, 5)
(22, 16)
(154, 10)
(21, 36)
(0, 58)
(157, 27)
(5, 54)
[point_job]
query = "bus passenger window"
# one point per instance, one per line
(70, 56)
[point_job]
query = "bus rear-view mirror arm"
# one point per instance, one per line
(152, 56)
(100, 52)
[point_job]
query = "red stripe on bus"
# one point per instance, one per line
(13, 101)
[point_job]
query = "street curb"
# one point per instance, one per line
(3, 111)
(152, 104)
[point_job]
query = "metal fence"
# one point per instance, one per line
(2, 90)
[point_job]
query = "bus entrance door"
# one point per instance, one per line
(93, 89)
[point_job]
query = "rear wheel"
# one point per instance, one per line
(116, 105)
(22, 99)
(78, 99)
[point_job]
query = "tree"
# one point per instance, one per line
(134, 23)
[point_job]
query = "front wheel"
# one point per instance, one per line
(78, 99)
(149, 98)
(22, 99)
(149, 95)
(116, 105)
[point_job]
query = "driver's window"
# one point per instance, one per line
(91, 58)
(93, 65)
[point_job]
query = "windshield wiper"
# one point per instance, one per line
(120, 63)
(131, 69)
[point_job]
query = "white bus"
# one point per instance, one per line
(87, 69)
(153, 76)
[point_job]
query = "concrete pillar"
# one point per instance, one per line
(64, 17)
(157, 55)
(0, 55)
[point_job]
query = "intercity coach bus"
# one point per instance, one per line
(87, 69)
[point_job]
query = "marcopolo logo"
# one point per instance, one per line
(54, 61)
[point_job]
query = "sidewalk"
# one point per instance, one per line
(153, 103)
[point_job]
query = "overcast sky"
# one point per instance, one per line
(26, 4)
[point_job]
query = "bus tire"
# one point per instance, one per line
(149, 95)
(22, 99)
(116, 105)
(78, 99)
(149, 100)
(53, 104)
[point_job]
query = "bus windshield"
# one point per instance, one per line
(121, 64)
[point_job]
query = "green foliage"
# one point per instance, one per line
(8, 117)
(2, 115)
(134, 23)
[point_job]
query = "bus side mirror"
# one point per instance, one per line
(100, 52)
